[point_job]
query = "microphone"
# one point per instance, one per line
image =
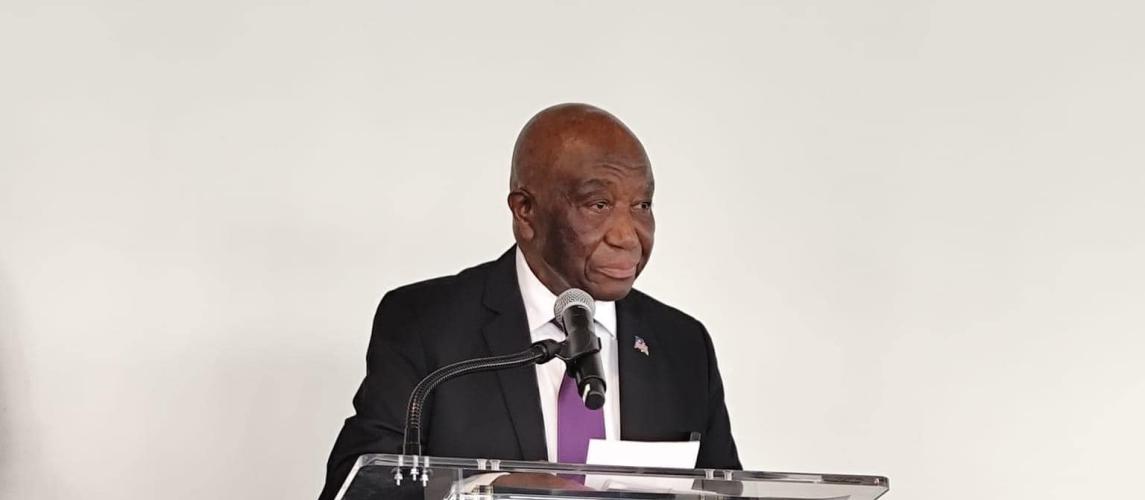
(574, 310)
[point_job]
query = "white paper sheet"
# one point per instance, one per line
(676, 454)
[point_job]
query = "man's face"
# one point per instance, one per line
(595, 225)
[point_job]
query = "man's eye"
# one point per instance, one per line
(599, 205)
(644, 205)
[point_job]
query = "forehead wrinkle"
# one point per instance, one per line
(593, 185)
(590, 186)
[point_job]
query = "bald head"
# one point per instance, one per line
(581, 197)
(564, 127)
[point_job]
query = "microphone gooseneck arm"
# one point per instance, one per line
(538, 353)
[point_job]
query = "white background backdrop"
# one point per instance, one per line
(915, 229)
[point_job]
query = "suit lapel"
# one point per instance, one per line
(506, 333)
(638, 383)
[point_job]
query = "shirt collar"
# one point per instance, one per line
(539, 300)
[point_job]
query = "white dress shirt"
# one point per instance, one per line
(539, 303)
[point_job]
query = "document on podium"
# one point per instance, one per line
(674, 454)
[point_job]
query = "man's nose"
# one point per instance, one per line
(622, 233)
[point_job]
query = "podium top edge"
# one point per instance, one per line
(497, 465)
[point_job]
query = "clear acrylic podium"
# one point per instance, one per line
(380, 476)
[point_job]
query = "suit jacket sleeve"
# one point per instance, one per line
(395, 363)
(717, 447)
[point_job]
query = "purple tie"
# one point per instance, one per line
(575, 424)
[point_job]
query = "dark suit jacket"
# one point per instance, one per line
(664, 396)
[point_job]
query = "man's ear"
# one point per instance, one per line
(523, 207)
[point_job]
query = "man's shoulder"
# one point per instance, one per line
(673, 331)
(466, 283)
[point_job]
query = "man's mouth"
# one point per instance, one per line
(620, 272)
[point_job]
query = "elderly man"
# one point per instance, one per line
(581, 200)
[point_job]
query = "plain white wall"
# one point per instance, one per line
(915, 229)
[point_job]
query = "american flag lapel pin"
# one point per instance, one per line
(640, 345)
